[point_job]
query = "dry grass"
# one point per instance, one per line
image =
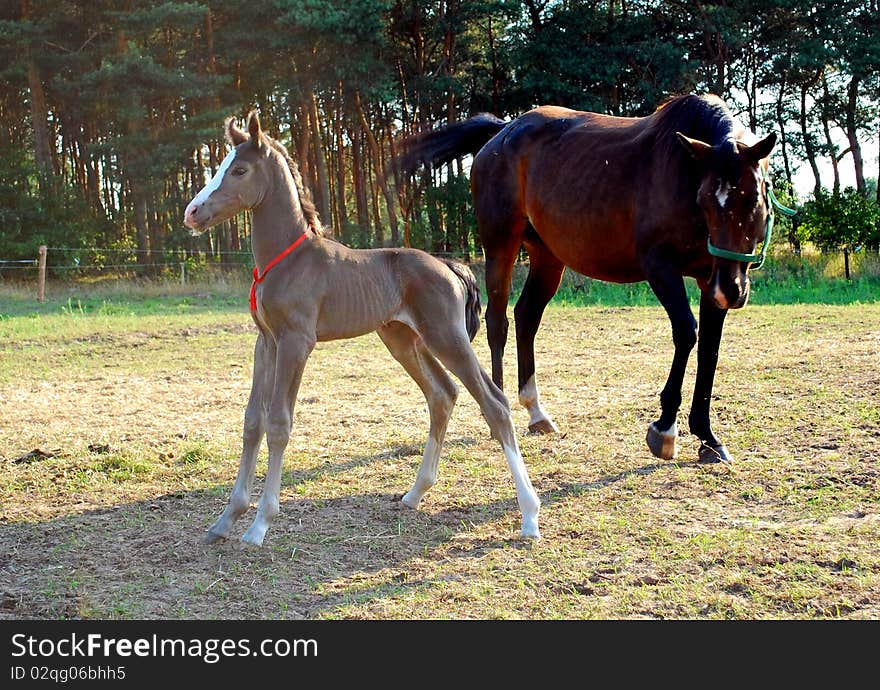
(788, 531)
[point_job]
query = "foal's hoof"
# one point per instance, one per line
(530, 529)
(410, 502)
(662, 443)
(710, 455)
(212, 537)
(543, 426)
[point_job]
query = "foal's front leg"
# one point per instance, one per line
(292, 351)
(252, 437)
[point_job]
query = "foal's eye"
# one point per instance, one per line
(238, 172)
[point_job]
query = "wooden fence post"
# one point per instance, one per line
(41, 277)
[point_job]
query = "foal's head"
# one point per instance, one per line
(240, 182)
(734, 200)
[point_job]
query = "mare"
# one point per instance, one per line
(681, 192)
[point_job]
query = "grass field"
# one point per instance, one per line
(138, 403)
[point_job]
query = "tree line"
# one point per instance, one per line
(111, 110)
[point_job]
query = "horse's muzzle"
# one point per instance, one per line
(730, 290)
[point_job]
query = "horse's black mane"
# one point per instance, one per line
(706, 118)
(310, 212)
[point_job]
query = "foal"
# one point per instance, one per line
(308, 288)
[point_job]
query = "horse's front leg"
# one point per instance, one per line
(711, 325)
(292, 351)
(252, 437)
(668, 285)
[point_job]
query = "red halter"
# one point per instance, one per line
(259, 278)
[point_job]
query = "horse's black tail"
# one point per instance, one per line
(445, 144)
(472, 307)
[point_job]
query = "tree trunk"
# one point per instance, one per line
(377, 164)
(496, 80)
(379, 232)
(534, 8)
(826, 127)
(303, 145)
(38, 108)
(448, 50)
(852, 133)
(808, 137)
(341, 213)
(322, 183)
(360, 188)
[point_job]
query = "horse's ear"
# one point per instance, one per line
(233, 134)
(699, 150)
(762, 149)
(254, 129)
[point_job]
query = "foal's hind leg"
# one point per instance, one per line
(440, 392)
(451, 346)
(545, 274)
(252, 437)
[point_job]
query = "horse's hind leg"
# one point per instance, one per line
(252, 437)
(451, 347)
(545, 274)
(440, 392)
(501, 244)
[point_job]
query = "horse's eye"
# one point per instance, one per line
(238, 172)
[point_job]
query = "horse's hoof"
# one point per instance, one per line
(543, 426)
(709, 455)
(662, 443)
(212, 537)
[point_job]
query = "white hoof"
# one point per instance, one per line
(411, 501)
(530, 528)
(254, 535)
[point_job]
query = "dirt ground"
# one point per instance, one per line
(139, 424)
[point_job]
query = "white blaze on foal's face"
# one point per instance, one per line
(200, 212)
(215, 181)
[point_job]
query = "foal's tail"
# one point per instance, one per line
(472, 307)
(439, 146)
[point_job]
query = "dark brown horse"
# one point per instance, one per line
(682, 192)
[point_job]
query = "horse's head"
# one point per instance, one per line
(240, 182)
(733, 197)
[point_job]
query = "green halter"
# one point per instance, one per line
(756, 259)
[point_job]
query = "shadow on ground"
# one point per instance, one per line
(145, 559)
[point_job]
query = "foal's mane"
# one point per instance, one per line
(310, 212)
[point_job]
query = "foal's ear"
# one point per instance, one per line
(762, 149)
(254, 129)
(699, 150)
(233, 134)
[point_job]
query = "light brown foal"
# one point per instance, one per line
(309, 288)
